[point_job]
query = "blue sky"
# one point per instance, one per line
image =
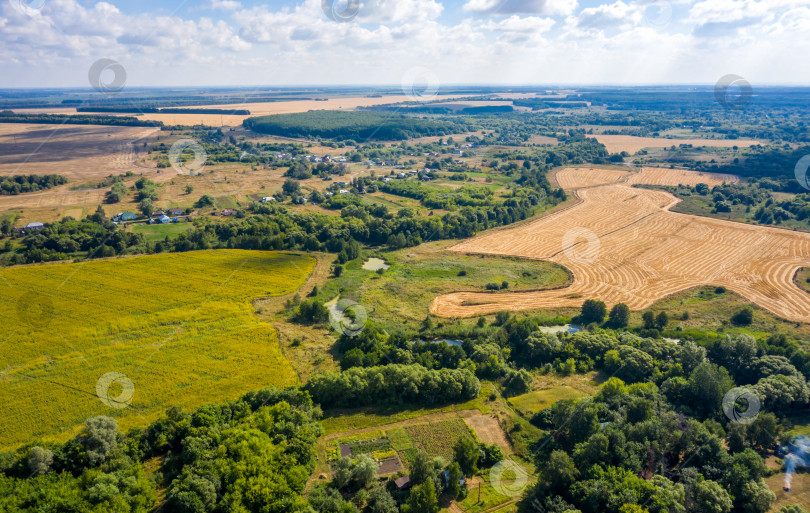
(48, 43)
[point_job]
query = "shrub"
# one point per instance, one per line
(743, 317)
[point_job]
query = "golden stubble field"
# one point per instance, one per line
(632, 144)
(622, 244)
(180, 328)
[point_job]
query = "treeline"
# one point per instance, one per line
(210, 460)
(767, 162)
(449, 199)
(164, 110)
(392, 384)
(358, 126)
(8, 116)
(541, 104)
(439, 109)
(20, 184)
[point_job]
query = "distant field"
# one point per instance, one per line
(176, 325)
(82, 153)
(632, 144)
(256, 109)
(79, 152)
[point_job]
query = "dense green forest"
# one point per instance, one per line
(252, 454)
(357, 126)
(20, 184)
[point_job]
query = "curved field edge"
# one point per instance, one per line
(645, 252)
(181, 327)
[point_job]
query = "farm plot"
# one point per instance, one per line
(174, 326)
(623, 245)
(438, 438)
(79, 152)
(394, 446)
(375, 445)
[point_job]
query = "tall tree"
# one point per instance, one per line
(466, 454)
(619, 316)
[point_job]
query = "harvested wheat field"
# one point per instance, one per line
(581, 177)
(632, 144)
(623, 245)
(79, 152)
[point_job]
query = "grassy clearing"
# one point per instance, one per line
(176, 325)
(802, 279)
(484, 497)
(708, 311)
(711, 310)
(537, 400)
(403, 293)
(158, 232)
(800, 494)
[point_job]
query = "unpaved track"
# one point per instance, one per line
(645, 252)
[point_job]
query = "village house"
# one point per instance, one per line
(125, 216)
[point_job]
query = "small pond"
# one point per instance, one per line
(442, 341)
(375, 264)
(568, 328)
